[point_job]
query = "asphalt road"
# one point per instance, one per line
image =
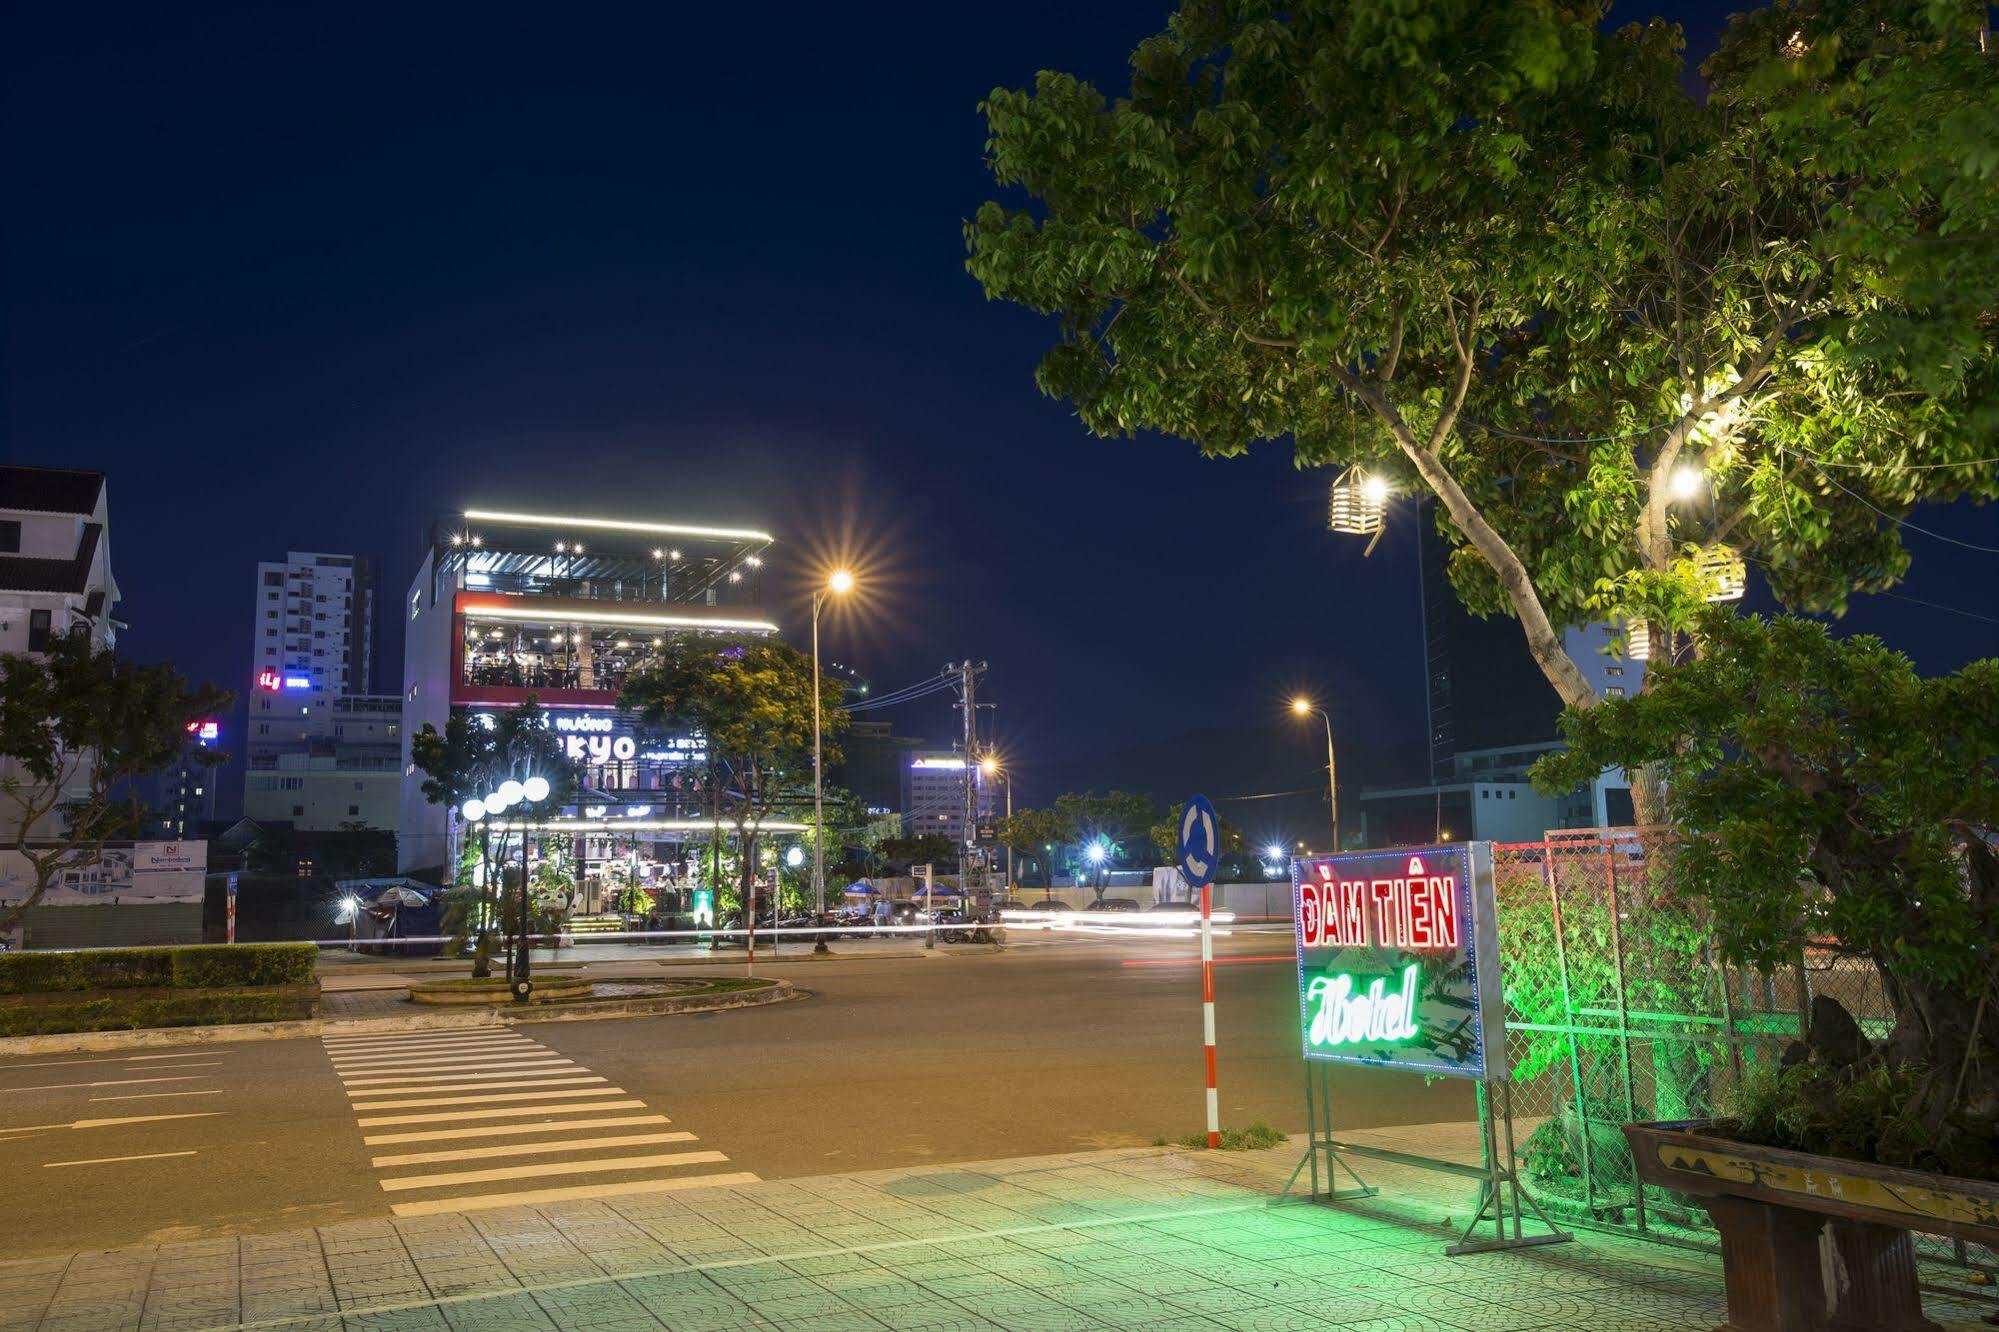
(963, 1055)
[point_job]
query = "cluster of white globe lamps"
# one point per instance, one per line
(509, 793)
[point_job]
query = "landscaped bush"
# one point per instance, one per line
(180, 968)
(128, 1008)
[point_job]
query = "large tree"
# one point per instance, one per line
(79, 728)
(1476, 249)
(751, 698)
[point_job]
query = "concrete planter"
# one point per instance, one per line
(455, 993)
(1770, 1206)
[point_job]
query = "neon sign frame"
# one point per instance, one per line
(1393, 944)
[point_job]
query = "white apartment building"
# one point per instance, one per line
(324, 763)
(55, 558)
(55, 567)
(320, 750)
(313, 626)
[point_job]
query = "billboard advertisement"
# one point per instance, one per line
(1398, 960)
(128, 873)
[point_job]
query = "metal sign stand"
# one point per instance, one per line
(1497, 1178)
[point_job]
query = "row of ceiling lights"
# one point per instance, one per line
(669, 555)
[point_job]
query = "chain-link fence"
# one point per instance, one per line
(1619, 1008)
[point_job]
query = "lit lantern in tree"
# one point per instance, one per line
(1357, 503)
(1638, 640)
(1722, 573)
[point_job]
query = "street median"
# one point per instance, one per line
(739, 993)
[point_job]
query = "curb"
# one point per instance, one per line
(727, 958)
(84, 1042)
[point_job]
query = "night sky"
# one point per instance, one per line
(307, 276)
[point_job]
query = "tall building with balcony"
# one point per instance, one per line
(509, 605)
(313, 627)
(321, 753)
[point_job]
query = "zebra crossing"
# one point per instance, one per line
(459, 1121)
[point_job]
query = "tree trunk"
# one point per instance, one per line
(1648, 797)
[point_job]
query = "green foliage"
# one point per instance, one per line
(1868, 1112)
(469, 758)
(1832, 793)
(1408, 236)
(193, 966)
(1121, 820)
(78, 729)
(1256, 1138)
(934, 849)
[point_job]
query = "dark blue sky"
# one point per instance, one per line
(304, 276)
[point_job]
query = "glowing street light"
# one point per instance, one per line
(838, 584)
(472, 810)
(1305, 707)
(1275, 851)
(1687, 481)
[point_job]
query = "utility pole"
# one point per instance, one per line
(968, 674)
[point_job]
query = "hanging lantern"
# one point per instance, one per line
(1722, 572)
(1357, 503)
(1638, 640)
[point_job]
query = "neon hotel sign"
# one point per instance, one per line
(1415, 911)
(1385, 947)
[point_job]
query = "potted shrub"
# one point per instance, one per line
(1829, 796)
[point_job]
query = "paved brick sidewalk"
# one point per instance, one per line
(1139, 1238)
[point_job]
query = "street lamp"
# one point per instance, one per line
(838, 584)
(990, 765)
(505, 796)
(1304, 707)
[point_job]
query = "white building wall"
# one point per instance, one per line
(422, 837)
(1595, 649)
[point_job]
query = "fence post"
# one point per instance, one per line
(1623, 1020)
(1569, 1021)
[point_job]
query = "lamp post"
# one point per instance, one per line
(506, 795)
(990, 765)
(838, 583)
(1304, 707)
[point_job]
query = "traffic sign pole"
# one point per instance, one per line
(1200, 856)
(1208, 1016)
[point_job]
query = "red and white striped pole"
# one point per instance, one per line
(1208, 1017)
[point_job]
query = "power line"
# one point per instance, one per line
(1902, 522)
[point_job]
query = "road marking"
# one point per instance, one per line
(453, 1067)
(109, 1123)
(109, 1082)
(108, 1059)
(191, 1054)
(507, 1130)
(107, 1160)
(588, 1166)
(401, 1078)
(404, 1047)
(487, 1036)
(570, 1094)
(355, 1093)
(419, 1063)
(447, 1116)
(527, 1149)
(429, 1047)
(433, 1206)
(154, 1096)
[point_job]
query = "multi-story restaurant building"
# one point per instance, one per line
(506, 606)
